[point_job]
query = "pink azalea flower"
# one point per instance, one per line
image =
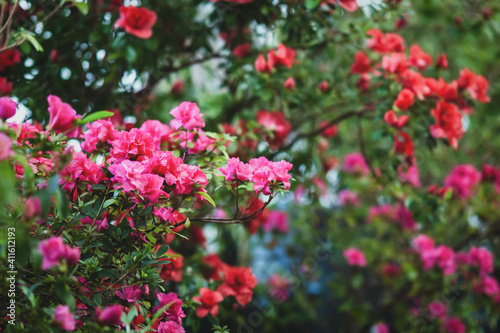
(62, 116)
(159, 131)
(169, 327)
(381, 328)
(7, 108)
(64, 318)
(129, 293)
(110, 316)
(100, 131)
(422, 243)
(347, 197)
(72, 255)
(482, 258)
(437, 309)
(188, 116)
(411, 175)
(133, 145)
(279, 287)
(52, 250)
(5, 146)
(236, 169)
(454, 325)
(462, 179)
(405, 218)
(165, 214)
(355, 164)
(277, 220)
(174, 311)
(355, 257)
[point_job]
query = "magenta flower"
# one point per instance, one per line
(109, 316)
(454, 325)
(422, 243)
(174, 311)
(129, 293)
(188, 116)
(100, 131)
(235, 169)
(279, 287)
(355, 164)
(277, 220)
(347, 197)
(355, 257)
(405, 218)
(5, 146)
(64, 318)
(381, 328)
(169, 327)
(7, 108)
(62, 115)
(52, 250)
(482, 258)
(437, 309)
(72, 255)
(462, 179)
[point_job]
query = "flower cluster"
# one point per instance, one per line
(264, 174)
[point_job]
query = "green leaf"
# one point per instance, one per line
(207, 197)
(34, 42)
(311, 4)
(95, 116)
(187, 224)
(108, 202)
(162, 250)
(82, 7)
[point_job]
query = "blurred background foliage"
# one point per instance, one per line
(92, 66)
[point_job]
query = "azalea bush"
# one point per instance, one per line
(147, 150)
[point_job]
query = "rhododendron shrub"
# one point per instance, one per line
(101, 218)
(383, 111)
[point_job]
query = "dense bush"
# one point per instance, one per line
(382, 111)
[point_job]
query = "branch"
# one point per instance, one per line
(362, 146)
(239, 220)
(335, 121)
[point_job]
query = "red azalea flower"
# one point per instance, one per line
(330, 131)
(405, 99)
(323, 86)
(393, 120)
(209, 300)
(361, 63)
(349, 5)
(442, 61)
(289, 84)
(238, 282)
(395, 63)
(242, 50)
(173, 270)
(5, 86)
(275, 122)
(448, 123)
(137, 21)
(260, 64)
(285, 56)
(419, 58)
(403, 144)
(9, 58)
(384, 43)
